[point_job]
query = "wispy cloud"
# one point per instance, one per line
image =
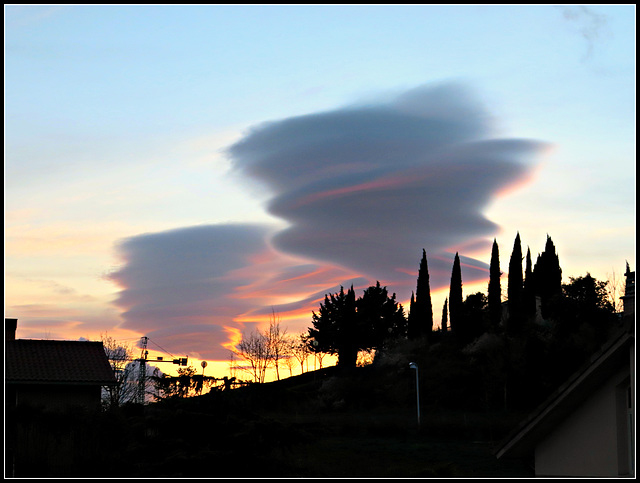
(592, 26)
(29, 15)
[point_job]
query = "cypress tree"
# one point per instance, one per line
(455, 298)
(420, 308)
(494, 289)
(423, 299)
(529, 294)
(411, 322)
(515, 285)
(443, 323)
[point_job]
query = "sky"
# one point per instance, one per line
(185, 172)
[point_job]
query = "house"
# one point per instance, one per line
(587, 426)
(54, 374)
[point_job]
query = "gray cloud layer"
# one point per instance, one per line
(178, 281)
(368, 187)
(187, 288)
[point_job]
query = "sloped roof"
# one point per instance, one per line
(567, 397)
(56, 362)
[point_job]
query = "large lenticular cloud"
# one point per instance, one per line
(367, 187)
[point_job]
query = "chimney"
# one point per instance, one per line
(10, 326)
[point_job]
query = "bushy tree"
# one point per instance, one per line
(582, 319)
(183, 385)
(334, 327)
(474, 313)
(380, 317)
(548, 276)
(344, 326)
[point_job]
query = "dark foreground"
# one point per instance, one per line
(307, 427)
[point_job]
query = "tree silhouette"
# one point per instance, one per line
(334, 327)
(277, 341)
(380, 317)
(582, 319)
(548, 276)
(301, 346)
(254, 349)
(443, 323)
(345, 326)
(515, 287)
(421, 321)
(120, 357)
(528, 293)
(455, 298)
(412, 323)
(494, 290)
(474, 310)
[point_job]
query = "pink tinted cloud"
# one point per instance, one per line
(364, 189)
(193, 290)
(427, 167)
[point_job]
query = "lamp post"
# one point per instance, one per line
(413, 365)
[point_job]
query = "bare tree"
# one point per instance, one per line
(289, 359)
(233, 364)
(264, 349)
(314, 348)
(277, 340)
(615, 289)
(120, 358)
(300, 349)
(254, 348)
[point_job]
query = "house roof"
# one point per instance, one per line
(567, 397)
(30, 361)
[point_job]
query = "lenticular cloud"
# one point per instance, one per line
(367, 187)
(364, 189)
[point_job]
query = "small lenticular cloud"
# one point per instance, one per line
(367, 187)
(195, 289)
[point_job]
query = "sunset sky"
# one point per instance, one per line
(182, 172)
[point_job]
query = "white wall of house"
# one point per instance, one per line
(587, 442)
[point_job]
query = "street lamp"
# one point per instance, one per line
(413, 365)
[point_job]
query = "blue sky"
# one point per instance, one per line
(120, 122)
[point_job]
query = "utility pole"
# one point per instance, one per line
(142, 374)
(142, 377)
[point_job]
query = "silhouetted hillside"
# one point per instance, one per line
(325, 423)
